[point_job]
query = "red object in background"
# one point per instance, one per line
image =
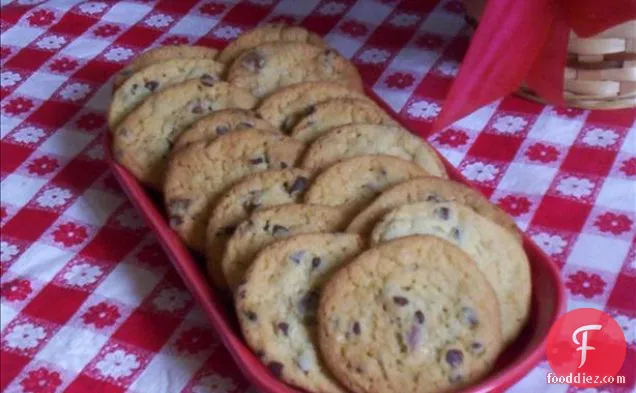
(525, 41)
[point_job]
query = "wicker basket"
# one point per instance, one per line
(600, 71)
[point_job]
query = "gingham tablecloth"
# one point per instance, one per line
(89, 301)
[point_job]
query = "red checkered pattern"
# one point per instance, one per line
(89, 301)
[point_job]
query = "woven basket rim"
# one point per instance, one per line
(600, 71)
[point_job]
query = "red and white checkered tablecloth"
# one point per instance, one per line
(89, 301)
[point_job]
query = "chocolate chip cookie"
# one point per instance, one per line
(497, 253)
(338, 112)
(277, 305)
(362, 139)
(253, 192)
(267, 34)
(143, 140)
(430, 189)
(219, 123)
(200, 173)
(412, 315)
(155, 78)
(161, 54)
(286, 106)
(267, 226)
(268, 67)
(351, 184)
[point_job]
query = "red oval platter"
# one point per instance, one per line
(548, 296)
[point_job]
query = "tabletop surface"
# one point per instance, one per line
(89, 301)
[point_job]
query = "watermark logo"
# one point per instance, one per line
(585, 348)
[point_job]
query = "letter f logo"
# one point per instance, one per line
(583, 346)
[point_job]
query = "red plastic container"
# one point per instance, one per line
(548, 296)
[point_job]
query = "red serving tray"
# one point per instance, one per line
(548, 295)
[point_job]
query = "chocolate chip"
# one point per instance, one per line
(454, 357)
(309, 302)
(260, 353)
(266, 226)
(358, 370)
(251, 315)
(250, 206)
(310, 109)
(283, 327)
(257, 160)
(433, 198)
(226, 230)
(315, 263)
(456, 233)
(476, 348)
(288, 123)
(151, 85)
(443, 212)
(419, 316)
(198, 109)
(253, 61)
(246, 124)
(299, 185)
(297, 256)
(283, 165)
(207, 80)
(175, 221)
(469, 317)
(253, 200)
(276, 368)
(400, 300)
(356, 328)
(279, 230)
(414, 337)
(221, 130)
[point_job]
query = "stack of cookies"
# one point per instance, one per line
(356, 265)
